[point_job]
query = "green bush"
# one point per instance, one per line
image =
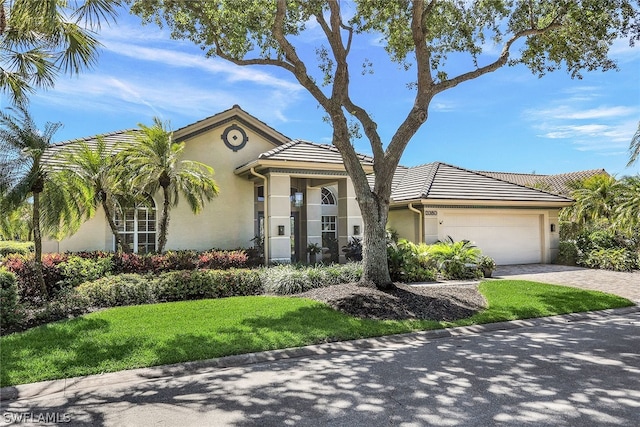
(199, 284)
(290, 279)
(455, 258)
(617, 259)
(10, 313)
(77, 270)
(567, 253)
(67, 303)
(409, 262)
(14, 247)
(130, 289)
(123, 289)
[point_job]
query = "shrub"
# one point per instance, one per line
(9, 307)
(199, 284)
(67, 303)
(131, 263)
(129, 289)
(290, 279)
(453, 258)
(409, 262)
(353, 249)
(617, 259)
(77, 270)
(567, 253)
(8, 247)
(23, 266)
(123, 289)
(216, 259)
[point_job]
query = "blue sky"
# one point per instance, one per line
(509, 120)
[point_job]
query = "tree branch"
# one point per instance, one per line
(501, 61)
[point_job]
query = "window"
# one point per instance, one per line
(328, 197)
(329, 235)
(137, 226)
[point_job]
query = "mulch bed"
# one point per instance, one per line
(440, 303)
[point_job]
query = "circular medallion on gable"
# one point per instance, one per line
(234, 137)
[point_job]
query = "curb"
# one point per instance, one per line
(69, 385)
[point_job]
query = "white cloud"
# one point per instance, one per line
(177, 59)
(158, 95)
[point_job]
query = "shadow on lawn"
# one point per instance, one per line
(583, 373)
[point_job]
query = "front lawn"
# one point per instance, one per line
(148, 335)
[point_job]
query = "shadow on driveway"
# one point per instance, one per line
(573, 373)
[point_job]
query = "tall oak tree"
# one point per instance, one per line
(420, 35)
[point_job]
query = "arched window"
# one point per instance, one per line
(137, 226)
(327, 197)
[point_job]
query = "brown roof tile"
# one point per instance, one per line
(558, 183)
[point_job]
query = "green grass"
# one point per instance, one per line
(140, 336)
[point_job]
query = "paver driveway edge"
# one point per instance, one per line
(47, 388)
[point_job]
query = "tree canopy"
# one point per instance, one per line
(430, 39)
(40, 38)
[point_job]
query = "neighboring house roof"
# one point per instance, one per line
(559, 183)
(441, 181)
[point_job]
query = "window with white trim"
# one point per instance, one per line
(327, 197)
(137, 226)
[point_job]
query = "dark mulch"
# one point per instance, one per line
(440, 303)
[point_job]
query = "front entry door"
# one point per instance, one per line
(295, 236)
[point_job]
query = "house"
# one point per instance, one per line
(294, 193)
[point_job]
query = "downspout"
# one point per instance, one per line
(420, 221)
(265, 243)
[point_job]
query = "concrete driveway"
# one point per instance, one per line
(576, 370)
(614, 282)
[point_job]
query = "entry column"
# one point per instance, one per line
(349, 217)
(278, 192)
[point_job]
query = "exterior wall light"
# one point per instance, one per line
(281, 230)
(356, 230)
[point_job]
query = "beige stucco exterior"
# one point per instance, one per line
(509, 235)
(256, 198)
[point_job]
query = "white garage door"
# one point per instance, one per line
(508, 238)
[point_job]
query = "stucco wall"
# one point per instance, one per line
(504, 233)
(226, 222)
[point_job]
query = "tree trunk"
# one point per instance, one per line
(114, 229)
(374, 246)
(164, 221)
(37, 242)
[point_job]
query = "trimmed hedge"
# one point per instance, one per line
(64, 270)
(8, 247)
(9, 308)
(130, 289)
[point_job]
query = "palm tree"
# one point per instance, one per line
(22, 146)
(90, 172)
(596, 199)
(153, 162)
(634, 147)
(38, 38)
(17, 224)
(628, 209)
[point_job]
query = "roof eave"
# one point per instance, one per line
(491, 203)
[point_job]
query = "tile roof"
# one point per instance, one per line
(558, 183)
(305, 151)
(112, 140)
(446, 182)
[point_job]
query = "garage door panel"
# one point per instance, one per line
(509, 239)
